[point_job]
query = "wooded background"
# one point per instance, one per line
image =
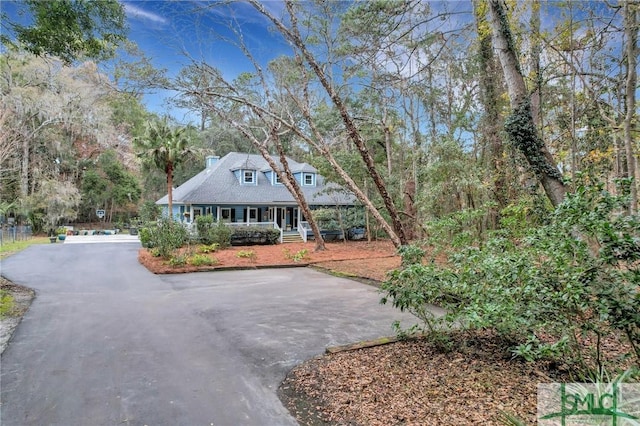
(476, 118)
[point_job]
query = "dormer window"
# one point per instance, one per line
(308, 179)
(276, 179)
(249, 177)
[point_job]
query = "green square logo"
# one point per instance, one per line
(578, 404)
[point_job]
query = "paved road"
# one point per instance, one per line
(108, 343)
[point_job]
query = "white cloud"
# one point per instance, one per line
(138, 13)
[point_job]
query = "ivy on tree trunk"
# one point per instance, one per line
(520, 125)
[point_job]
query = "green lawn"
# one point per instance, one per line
(9, 248)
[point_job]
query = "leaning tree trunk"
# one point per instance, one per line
(296, 191)
(520, 125)
(294, 37)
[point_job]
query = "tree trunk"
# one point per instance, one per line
(490, 131)
(534, 64)
(296, 191)
(24, 168)
(295, 38)
(631, 35)
(410, 207)
(387, 142)
(169, 172)
(520, 125)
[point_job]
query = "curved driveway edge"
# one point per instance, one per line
(106, 342)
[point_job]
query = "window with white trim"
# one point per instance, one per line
(276, 179)
(225, 214)
(308, 179)
(249, 177)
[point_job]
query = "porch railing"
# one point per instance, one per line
(303, 230)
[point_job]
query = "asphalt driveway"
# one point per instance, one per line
(105, 342)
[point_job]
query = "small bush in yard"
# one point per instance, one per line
(247, 254)
(251, 235)
(411, 254)
(297, 256)
(147, 237)
(178, 259)
(203, 227)
(211, 232)
(164, 236)
(201, 259)
(556, 293)
(222, 234)
(208, 248)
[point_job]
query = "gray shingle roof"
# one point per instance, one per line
(218, 185)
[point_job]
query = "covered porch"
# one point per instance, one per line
(288, 219)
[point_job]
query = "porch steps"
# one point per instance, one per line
(292, 237)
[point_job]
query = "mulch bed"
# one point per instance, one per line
(416, 382)
(373, 257)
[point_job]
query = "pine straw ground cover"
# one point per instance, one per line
(363, 259)
(412, 383)
(415, 382)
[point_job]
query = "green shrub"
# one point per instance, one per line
(411, 254)
(297, 256)
(164, 236)
(247, 254)
(458, 229)
(6, 303)
(147, 239)
(211, 232)
(222, 234)
(577, 276)
(328, 219)
(247, 235)
(208, 248)
(201, 259)
(204, 226)
(150, 211)
(178, 259)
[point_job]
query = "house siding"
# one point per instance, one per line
(221, 185)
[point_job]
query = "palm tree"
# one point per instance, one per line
(165, 148)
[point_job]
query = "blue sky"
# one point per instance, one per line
(174, 33)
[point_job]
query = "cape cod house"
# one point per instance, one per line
(242, 188)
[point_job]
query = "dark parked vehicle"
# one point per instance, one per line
(356, 233)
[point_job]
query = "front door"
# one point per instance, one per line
(252, 214)
(278, 215)
(292, 217)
